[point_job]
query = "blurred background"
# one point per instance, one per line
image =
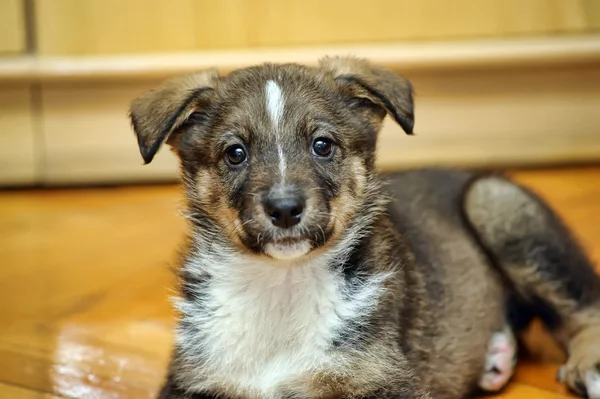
(497, 81)
(88, 234)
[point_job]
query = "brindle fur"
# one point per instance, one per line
(461, 248)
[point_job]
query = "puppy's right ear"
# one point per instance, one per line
(157, 114)
(358, 78)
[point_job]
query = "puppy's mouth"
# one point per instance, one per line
(261, 238)
(288, 248)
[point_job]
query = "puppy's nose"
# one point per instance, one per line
(284, 212)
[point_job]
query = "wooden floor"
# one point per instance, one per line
(84, 286)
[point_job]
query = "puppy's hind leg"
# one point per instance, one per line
(538, 256)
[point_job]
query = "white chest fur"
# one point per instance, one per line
(264, 328)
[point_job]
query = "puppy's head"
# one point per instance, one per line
(279, 157)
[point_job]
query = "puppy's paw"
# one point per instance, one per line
(581, 372)
(500, 362)
(581, 379)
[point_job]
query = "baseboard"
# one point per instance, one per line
(408, 56)
(482, 110)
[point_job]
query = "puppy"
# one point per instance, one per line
(306, 275)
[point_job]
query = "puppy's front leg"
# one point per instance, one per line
(399, 393)
(171, 391)
(405, 385)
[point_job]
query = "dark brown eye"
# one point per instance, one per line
(322, 147)
(235, 155)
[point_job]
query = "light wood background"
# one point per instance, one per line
(17, 136)
(464, 118)
(498, 81)
(137, 26)
(12, 27)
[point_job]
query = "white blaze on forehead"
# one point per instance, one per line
(274, 102)
(275, 105)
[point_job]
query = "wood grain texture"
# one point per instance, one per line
(84, 310)
(592, 14)
(18, 155)
(84, 303)
(17, 392)
(74, 27)
(113, 26)
(12, 27)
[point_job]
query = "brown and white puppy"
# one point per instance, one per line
(306, 277)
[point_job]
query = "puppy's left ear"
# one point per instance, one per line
(360, 79)
(157, 115)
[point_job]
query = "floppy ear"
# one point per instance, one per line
(359, 79)
(157, 114)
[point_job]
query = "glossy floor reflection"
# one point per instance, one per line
(85, 281)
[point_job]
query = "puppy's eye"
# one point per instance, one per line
(235, 155)
(322, 147)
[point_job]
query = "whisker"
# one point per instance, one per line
(322, 231)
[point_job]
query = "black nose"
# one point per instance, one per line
(284, 212)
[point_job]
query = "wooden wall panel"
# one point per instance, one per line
(88, 138)
(244, 23)
(466, 118)
(114, 26)
(17, 137)
(137, 26)
(530, 17)
(491, 118)
(592, 14)
(12, 27)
